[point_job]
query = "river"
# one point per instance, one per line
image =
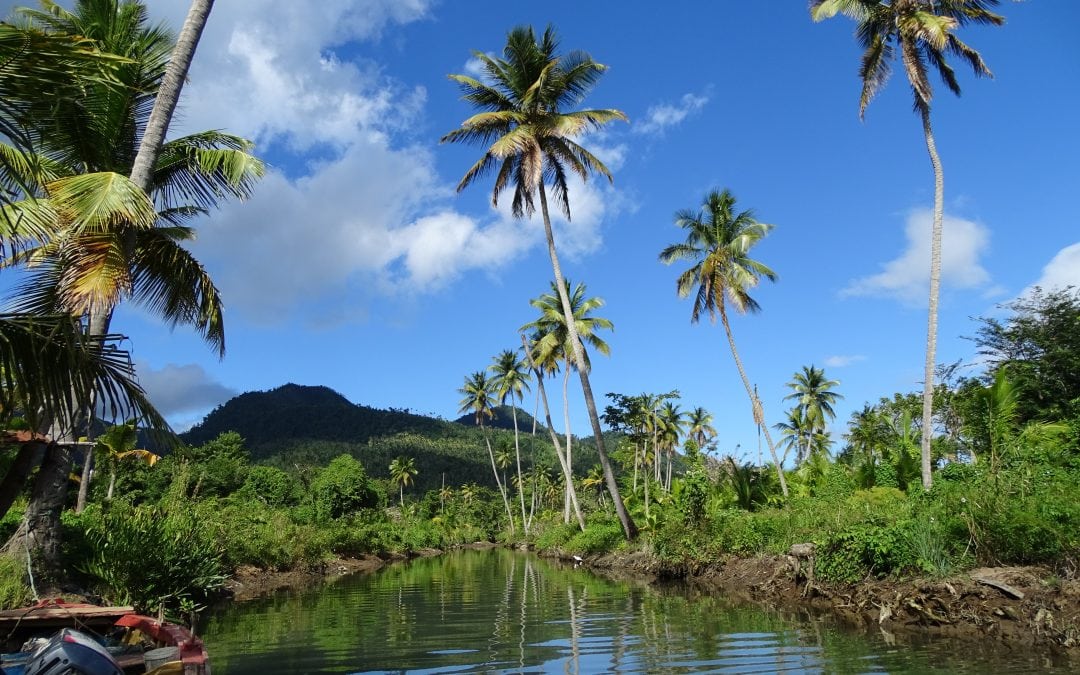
(498, 610)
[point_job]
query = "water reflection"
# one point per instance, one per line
(484, 611)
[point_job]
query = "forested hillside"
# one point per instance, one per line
(310, 425)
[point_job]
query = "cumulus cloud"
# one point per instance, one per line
(907, 277)
(660, 117)
(840, 361)
(176, 390)
(1062, 270)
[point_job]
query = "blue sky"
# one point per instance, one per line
(358, 267)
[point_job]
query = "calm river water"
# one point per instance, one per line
(484, 611)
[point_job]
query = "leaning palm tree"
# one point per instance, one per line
(512, 381)
(478, 398)
(555, 343)
(531, 141)
(923, 32)
(541, 371)
(814, 396)
(88, 271)
(718, 243)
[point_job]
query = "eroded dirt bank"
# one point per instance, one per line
(1014, 606)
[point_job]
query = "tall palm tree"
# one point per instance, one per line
(699, 426)
(531, 142)
(923, 32)
(478, 398)
(541, 371)
(814, 396)
(402, 470)
(718, 243)
(512, 381)
(672, 421)
(48, 369)
(554, 343)
(88, 271)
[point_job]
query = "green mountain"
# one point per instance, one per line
(297, 425)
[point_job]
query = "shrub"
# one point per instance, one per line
(272, 485)
(598, 537)
(343, 487)
(148, 557)
(865, 549)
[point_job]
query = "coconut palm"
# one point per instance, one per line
(699, 426)
(478, 398)
(541, 370)
(116, 445)
(814, 396)
(512, 381)
(88, 271)
(923, 32)
(531, 141)
(402, 470)
(718, 243)
(672, 421)
(796, 433)
(554, 345)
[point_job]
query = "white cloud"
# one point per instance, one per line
(660, 117)
(841, 361)
(254, 79)
(907, 278)
(178, 389)
(1062, 270)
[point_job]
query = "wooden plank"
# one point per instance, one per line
(1001, 586)
(72, 613)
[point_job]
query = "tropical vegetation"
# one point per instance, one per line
(292, 477)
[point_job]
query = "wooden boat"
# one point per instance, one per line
(139, 644)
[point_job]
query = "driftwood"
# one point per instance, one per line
(1001, 586)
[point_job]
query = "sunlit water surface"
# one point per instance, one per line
(485, 611)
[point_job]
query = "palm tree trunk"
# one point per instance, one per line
(42, 534)
(567, 474)
(112, 484)
(935, 285)
(579, 357)
(759, 413)
(84, 481)
(569, 443)
(168, 94)
(520, 481)
(498, 482)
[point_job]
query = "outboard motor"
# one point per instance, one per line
(70, 652)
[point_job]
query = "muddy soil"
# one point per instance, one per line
(1013, 606)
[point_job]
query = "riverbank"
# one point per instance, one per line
(1023, 607)
(250, 582)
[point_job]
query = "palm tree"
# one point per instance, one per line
(479, 397)
(530, 140)
(796, 433)
(923, 31)
(699, 426)
(814, 396)
(672, 421)
(541, 370)
(554, 344)
(402, 470)
(512, 380)
(88, 271)
(718, 242)
(116, 445)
